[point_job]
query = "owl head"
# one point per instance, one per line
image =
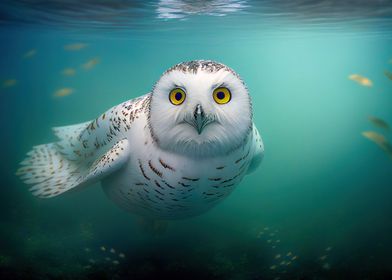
(200, 108)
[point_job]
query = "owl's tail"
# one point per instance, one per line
(48, 171)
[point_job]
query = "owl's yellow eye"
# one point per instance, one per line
(177, 96)
(222, 95)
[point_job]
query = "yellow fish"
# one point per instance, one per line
(388, 74)
(30, 53)
(375, 137)
(69, 72)
(91, 63)
(363, 81)
(63, 92)
(9, 83)
(75, 47)
(379, 122)
(380, 140)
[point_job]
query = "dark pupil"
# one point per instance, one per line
(178, 96)
(220, 95)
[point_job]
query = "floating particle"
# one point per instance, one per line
(324, 257)
(378, 123)
(361, 80)
(91, 63)
(87, 267)
(112, 251)
(91, 261)
(266, 228)
(115, 262)
(273, 247)
(121, 255)
(388, 74)
(108, 259)
(328, 249)
(63, 92)
(69, 72)
(75, 47)
(272, 234)
(103, 248)
(278, 256)
(269, 240)
(272, 267)
(326, 266)
(30, 53)
(9, 83)
(87, 250)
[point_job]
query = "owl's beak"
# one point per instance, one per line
(200, 120)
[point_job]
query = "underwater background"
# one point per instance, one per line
(319, 73)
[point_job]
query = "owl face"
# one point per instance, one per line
(200, 108)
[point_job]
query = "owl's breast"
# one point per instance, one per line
(163, 185)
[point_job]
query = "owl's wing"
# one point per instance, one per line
(258, 150)
(85, 152)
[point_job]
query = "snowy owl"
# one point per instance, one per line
(172, 153)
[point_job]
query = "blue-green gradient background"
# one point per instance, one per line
(321, 183)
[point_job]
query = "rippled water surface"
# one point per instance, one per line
(320, 77)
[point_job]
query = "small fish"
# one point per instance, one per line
(87, 250)
(115, 262)
(277, 241)
(378, 122)
(108, 259)
(266, 228)
(30, 53)
(91, 63)
(87, 267)
(121, 255)
(278, 256)
(63, 92)
(9, 83)
(75, 47)
(328, 249)
(363, 81)
(112, 251)
(282, 263)
(91, 261)
(69, 72)
(103, 248)
(388, 74)
(288, 263)
(323, 258)
(289, 254)
(269, 240)
(273, 247)
(377, 138)
(272, 267)
(272, 234)
(326, 266)
(294, 258)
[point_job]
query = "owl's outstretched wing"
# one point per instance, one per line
(85, 152)
(258, 150)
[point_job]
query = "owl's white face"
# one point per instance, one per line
(200, 108)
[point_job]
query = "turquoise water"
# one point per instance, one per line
(321, 197)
